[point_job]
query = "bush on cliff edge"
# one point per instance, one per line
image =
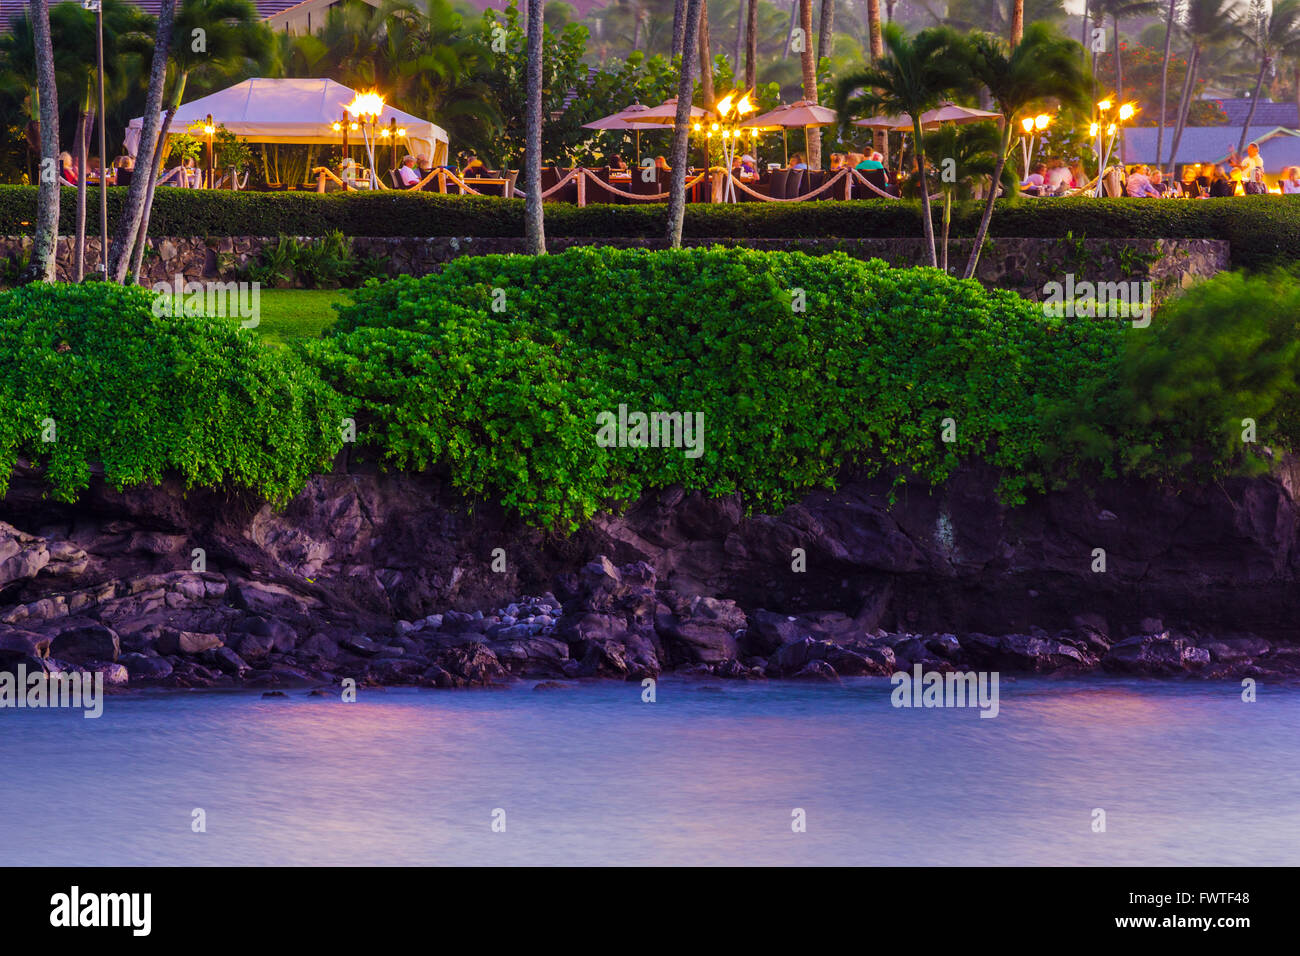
(89, 377)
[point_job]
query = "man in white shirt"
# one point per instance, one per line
(406, 173)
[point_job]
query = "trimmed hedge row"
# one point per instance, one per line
(1263, 230)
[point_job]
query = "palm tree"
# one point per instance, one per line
(682, 125)
(679, 25)
(1164, 82)
(46, 239)
(232, 32)
(129, 224)
(1044, 65)
(751, 44)
(826, 29)
(1207, 22)
(706, 58)
(534, 225)
(974, 151)
(808, 60)
(1119, 10)
(1017, 21)
(1275, 33)
(914, 75)
(873, 28)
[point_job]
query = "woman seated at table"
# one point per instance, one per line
(837, 162)
(1191, 186)
(473, 167)
(1221, 186)
(616, 162)
(1290, 181)
(123, 170)
(67, 171)
(1139, 184)
(661, 165)
(798, 162)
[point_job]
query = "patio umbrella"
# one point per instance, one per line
(665, 114)
(797, 114)
(626, 120)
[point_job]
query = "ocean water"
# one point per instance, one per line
(709, 773)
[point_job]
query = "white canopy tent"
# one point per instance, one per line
(294, 111)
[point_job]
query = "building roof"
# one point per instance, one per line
(1280, 147)
(1267, 113)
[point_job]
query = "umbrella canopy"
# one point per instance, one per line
(930, 119)
(666, 113)
(800, 114)
(628, 119)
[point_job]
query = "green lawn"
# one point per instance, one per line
(290, 314)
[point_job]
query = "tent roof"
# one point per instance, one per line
(289, 111)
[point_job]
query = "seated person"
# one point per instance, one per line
(473, 166)
(1139, 183)
(1221, 187)
(1033, 183)
(1255, 185)
(661, 165)
(1058, 177)
(749, 164)
(67, 171)
(406, 174)
(872, 161)
(798, 162)
(616, 162)
(1291, 181)
(837, 161)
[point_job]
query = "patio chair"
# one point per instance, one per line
(779, 178)
(511, 177)
(878, 179)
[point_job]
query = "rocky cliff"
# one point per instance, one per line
(396, 579)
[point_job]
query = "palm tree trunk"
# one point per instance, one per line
(79, 239)
(127, 227)
(1017, 22)
(1119, 67)
(826, 30)
(1185, 102)
(740, 41)
(1164, 84)
(46, 238)
(985, 219)
(927, 220)
(1083, 29)
(874, 28)
(706, 58)
(794, 22)
(682, 127)
(155, 169)
(534, 226)
(809, 61)
(947, 221)
(751, 45)
(1254, 101)
(679, 26)
(636, 27)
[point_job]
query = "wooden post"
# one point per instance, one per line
(580, 175)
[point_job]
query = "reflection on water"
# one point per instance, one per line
(1187, 774)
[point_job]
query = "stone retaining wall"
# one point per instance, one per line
(1024, 265)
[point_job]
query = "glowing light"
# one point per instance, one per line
(1092, 130)
(1041, 120)
(209, 129)
(745, 106)
(401, 131)
(724, 104)
(366, 104)
(337, 127)
(1110, 130)
(1028, 124)
(1104, 105)
(1126, 112)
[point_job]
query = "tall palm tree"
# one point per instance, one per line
(751, 44)
(1044, 65)
(1207, 22)
(534, 225)
(682, 125)
(232, 32)
(1164, 82)
(1119, 10)
(873, 28)
(1274, 33)
(679, 26)
(706, 58)
(826, 29)
(808, 61)
(973, 148)
(46, 239)
(914, 75)
(129, 224)
(1017, 21)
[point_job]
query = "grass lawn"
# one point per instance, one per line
(290, 314)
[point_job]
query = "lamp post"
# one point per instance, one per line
(1104, 134)
(1031, 125)
(731, 111)
(365, 110)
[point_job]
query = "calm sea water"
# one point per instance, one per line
(708, 774)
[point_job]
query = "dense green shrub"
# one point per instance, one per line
(1262, 230)
(802, 367)
(89, 377)
(1176, 403)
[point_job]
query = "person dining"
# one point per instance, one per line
(798, 162)
(473, 166)
(661, 165)
(837, 162)
(406, 174)
(1139, 184)
(67, 171)
(1058, 177)
(617, 162)
(1033, 183)
(1221, 187)
(1290, 181)
(872, 161)
(1255, 185)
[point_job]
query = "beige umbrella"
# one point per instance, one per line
(626, 120)
(797, 114)
(665, 114)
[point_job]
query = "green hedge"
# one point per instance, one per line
(803, 367)
(90, 377)
(1263, 230)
